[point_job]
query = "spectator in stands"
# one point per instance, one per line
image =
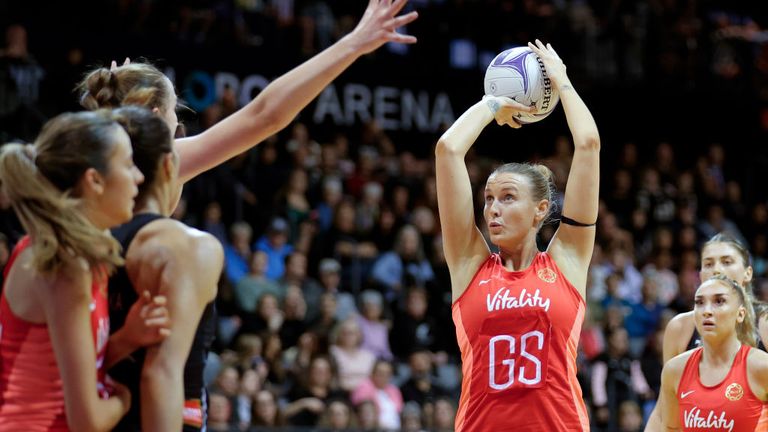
(374, 329)
(309, 396)
(275, 244)
(298, 358)
(379, 389)
(406, 261)
(338, 416)
(294, 317)
(354, 250)
(237, 252)
(296, 275)
(219, 413)
(367, 416)
(329, 272)
(616, 377)
(267, 415)
(354, 362)
(253, 285)
(413, 328)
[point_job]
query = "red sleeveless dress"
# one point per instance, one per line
(729, 406)
(31, 392)
(518, 333)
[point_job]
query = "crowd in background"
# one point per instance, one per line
(335, 306)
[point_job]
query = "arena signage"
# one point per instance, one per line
(343, 104)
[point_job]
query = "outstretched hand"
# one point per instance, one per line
(552, 62)
(379, 25)
(504, 110)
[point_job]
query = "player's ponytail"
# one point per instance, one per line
(39, 181)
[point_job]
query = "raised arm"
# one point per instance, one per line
(66, 303)
(183, 265)
(572, 245)
(464, 246)
(275, 107)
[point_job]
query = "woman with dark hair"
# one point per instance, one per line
(166, 257)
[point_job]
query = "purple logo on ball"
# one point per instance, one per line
(516, 63)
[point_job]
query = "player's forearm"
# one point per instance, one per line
(464, 132)
(285, 97)
(162, 395)
(117, 349)
(580, 121)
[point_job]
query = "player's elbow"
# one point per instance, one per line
(588, 142)
(445, 148)
(84, 419)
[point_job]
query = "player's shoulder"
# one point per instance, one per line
(757, 360)
(168, 238)
(677, 363)
(681, 321)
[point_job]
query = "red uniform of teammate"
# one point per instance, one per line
(728, 406)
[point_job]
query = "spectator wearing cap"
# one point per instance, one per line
(275, 244)
(330, 279)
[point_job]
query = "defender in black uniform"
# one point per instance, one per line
(166, 257)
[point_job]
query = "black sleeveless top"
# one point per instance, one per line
(122, 295)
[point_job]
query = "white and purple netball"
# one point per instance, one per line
(518, 73)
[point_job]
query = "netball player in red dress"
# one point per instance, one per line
(518, 312)
(720, 255)
(75, 182)
(722, 385)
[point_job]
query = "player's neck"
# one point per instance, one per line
(519, 258)
(153, 203)
(718, 353)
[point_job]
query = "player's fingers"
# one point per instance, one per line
(401, 38)
(160, 300)
(397, 6)
(403, 20)
(157, 322)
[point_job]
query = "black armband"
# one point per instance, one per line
(568, 221)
